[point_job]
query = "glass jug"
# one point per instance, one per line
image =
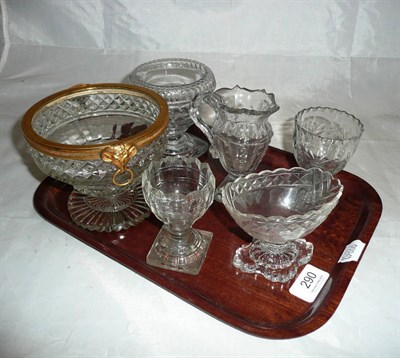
(235, 121)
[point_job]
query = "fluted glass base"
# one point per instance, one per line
(108, 214)
(187, 145)
(185, 255)
(276, 262)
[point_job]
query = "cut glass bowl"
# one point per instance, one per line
(99, 139)
(325, 138)
(178, 81)
(278, 209)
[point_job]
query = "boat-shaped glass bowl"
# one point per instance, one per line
(278, 209)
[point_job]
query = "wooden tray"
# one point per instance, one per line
(244, 301)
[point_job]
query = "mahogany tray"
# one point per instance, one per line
(247, 302)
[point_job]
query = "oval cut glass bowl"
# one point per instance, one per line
(278, 209)
(99, 139)
(178, 81)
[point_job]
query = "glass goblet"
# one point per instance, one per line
(179, 191)
(278, 208)
(325, 138)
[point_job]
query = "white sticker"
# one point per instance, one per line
(352, 252)
(309, 283)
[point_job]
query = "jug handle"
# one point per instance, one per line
(194, 113)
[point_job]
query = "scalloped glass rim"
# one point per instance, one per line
(227, 199)
(309, 109)
(274, 107)
(174, 161)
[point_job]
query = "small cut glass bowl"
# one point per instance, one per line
(325, 138)
(178, 81)
(99, 139)
(278, 208)
(179, 190)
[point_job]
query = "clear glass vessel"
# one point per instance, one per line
(178, 81)
(235, 121)
(325, 138)
(99, 139)
(179, 191)
(278, 208)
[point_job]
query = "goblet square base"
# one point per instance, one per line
(179, 257)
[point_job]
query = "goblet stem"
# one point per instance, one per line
(180, 250)
(185, 145)
(276, 262)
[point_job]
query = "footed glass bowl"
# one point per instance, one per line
(99, 139)
(178, 81)
(278, 208)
